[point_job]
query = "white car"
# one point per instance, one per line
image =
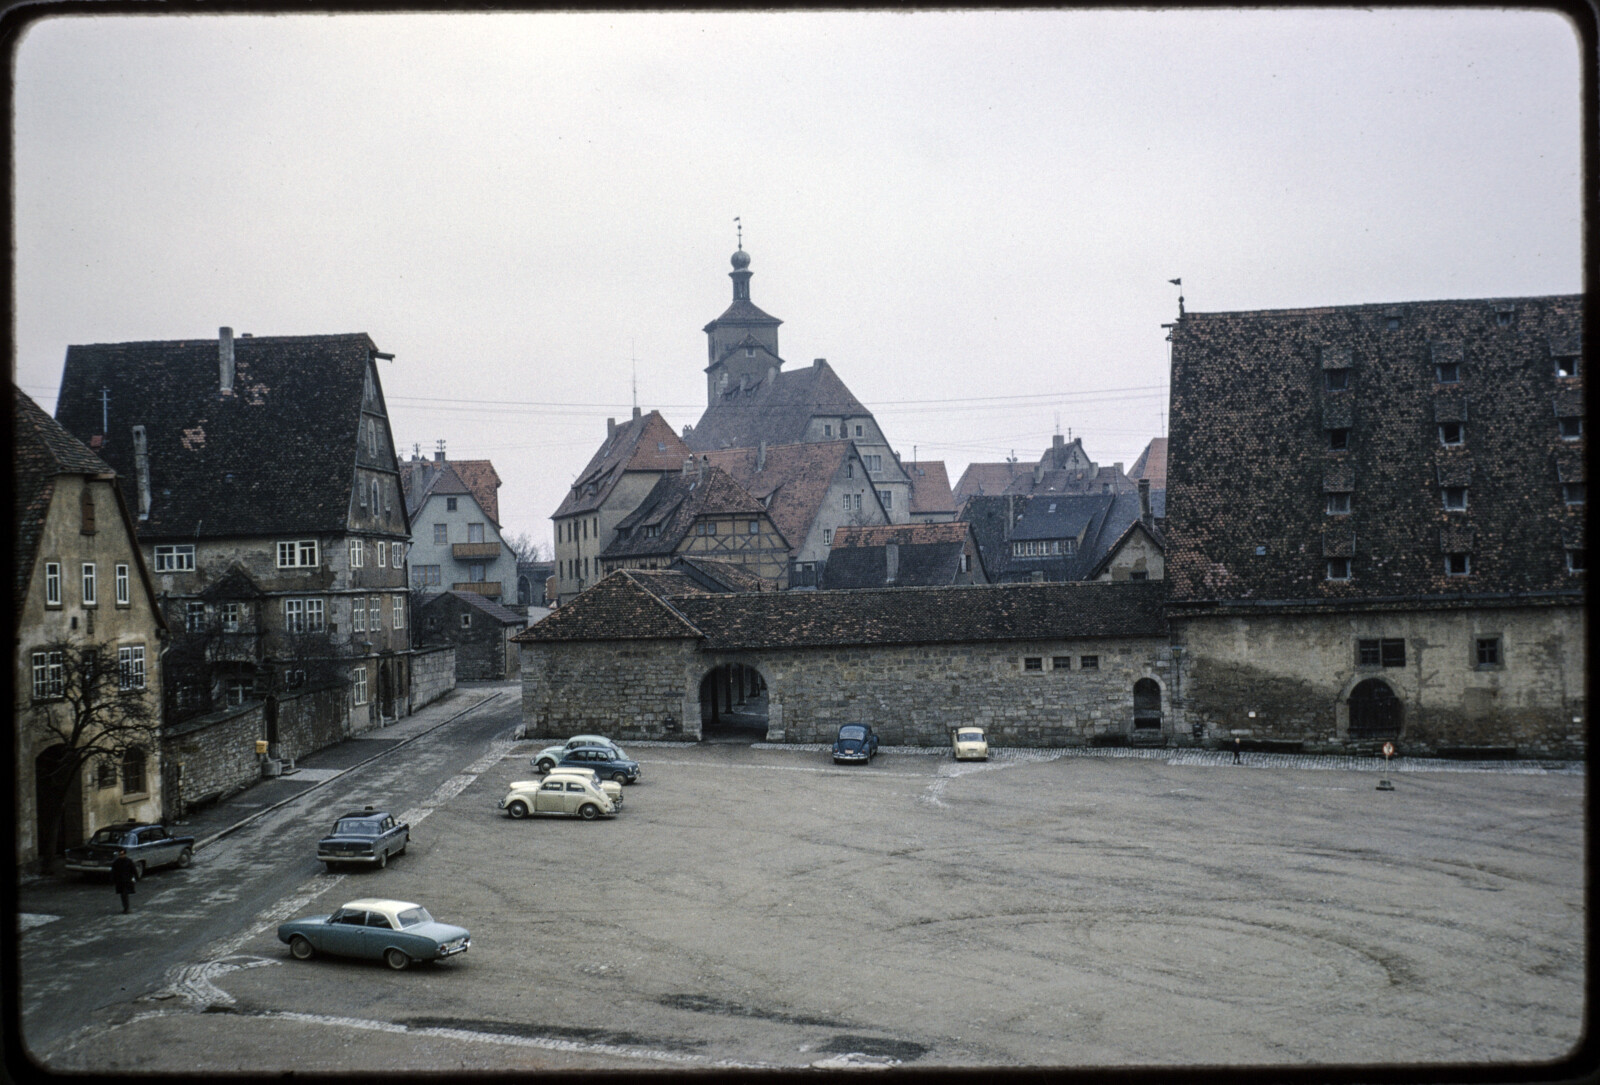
(609, 788)
(546, 759)
(969, 744)
(558, 793)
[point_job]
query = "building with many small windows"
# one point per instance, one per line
(1376, 525)
(455, 512)
(263, 479)
(81, 588)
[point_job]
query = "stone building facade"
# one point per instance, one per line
(1046, 664)
(1376, 526)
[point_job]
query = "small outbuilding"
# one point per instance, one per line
(479, 628)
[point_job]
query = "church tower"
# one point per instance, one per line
(742, 343)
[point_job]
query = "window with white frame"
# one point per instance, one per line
(130, 667)
(887, 497)
(88, 584)
(52, 584)
(180, 559)
(399, 611)
(47, 676)
(375, 614)
(124, 590)
(441, 534)
(874, 463)
(424, 575)
(383, 553)
(304, 615)
(358, 554)
(298, 554)
(358, 688)
(474, 533)
(358, 615)
(194, 617)
(232, 616)
(397, 554)
(827, 536)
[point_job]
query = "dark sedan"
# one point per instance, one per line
(605, 762)
(148, 846)
(366, 837)
(856, 742)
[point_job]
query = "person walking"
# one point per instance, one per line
(1238, 744)
(123, 875)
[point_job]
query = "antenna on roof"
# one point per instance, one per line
(740, 228)
(1178, 282)
(634, 355)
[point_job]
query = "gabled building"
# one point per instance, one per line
(81, 594)
(457, 545)
(266, 492)
(699, 512)
(810, 490)
(1067, 537)
(932, 501)
(478, 628)
(1376, 524)
(904, 556)
(633, 458)
(1064, 469)
(751, 399)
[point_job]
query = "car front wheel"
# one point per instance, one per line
(396, 959)
(620, 777)
(383, 860)
(300, 949)
(518, 809)
(588, 811)
(545, 764)
(185, 857)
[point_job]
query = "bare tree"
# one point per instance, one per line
(91, 708)
(526, 547)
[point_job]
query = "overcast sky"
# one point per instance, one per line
(972, 215)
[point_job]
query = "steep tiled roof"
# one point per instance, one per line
(503, 615)
(926, 555)
(643, 443)
(671, 508)
(421, 478)
(1064, 468)
(1251, 464)
(618, 607)
(1152, 464)
(716, 575)
(42, 451)
(793, 480)
(930, 488)
(1097, 521)
(483, 482)
(275, 455)
(988, 480)
(778, 410)
(943, 615)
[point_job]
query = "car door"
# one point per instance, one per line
(377, 936)
(551, 798)
(577, 795)
(345, 935)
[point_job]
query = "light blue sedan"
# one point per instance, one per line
(393, 931)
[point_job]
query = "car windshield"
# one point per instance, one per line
(970, 736)
(410, 917)
(356, 827)
(107, 836)
(853, 732)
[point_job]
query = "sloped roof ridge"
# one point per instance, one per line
(1380, 306)
(664, 602)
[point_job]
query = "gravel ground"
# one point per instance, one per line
(760, 907)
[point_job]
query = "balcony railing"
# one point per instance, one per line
(491, 588)
(475, 551)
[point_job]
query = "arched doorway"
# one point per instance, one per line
(733, 702)
(1375, 711)
(1147, 705)
(58, 803)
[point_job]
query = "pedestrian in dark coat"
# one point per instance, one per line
(123, 876)
(1238, 744)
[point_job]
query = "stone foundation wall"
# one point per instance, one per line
(1289, 678)
(433, 674)
(623, 689)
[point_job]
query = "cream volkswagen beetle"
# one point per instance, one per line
(969, 744)
(561, 793)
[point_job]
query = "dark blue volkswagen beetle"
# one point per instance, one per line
(607, 762)
(856, 742)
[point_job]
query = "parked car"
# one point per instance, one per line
(969, 744)
(366, 837)
(856, 742)
(558, 793)
(546, 759)
(148, 846)
(393, 931)
(609, 788)
(605, 760)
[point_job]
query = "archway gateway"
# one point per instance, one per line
(733, 701)
(1375, 711)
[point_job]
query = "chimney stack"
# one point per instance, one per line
(761, 456)
(891, 559)
(225, 358)
(141, 470)
(636, 412)
(438, 451)
(611, 428)
(1144, 502)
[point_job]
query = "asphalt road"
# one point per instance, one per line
(761, 908)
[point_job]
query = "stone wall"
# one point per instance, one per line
(911, 695)
(433, 674)
(1289, 678)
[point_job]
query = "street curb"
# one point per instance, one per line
(248, 818)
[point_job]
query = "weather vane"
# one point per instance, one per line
(1179, 284)
(740, 227)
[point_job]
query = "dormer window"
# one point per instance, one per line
(1336, 380)
(1451, 433)
(1339, 504)
(1447, 372)
(749, 352)
(1567, 366)
(1571, 428)
(1573, 493)
(827, 429)
(1457, 564)
(1338, 439)
(1455, 498)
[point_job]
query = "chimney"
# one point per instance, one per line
(141, 471)
(700, 473)
(1117, 467)
(1144, 501)
(772, 373)
(1011, 515)
(819, 363)
(611, 428)
(636, 412)
(761, 456)
(1058, 451)
(891, 559)
(1038, 473)
(225, 358)
(688, 466)
(438, 451)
